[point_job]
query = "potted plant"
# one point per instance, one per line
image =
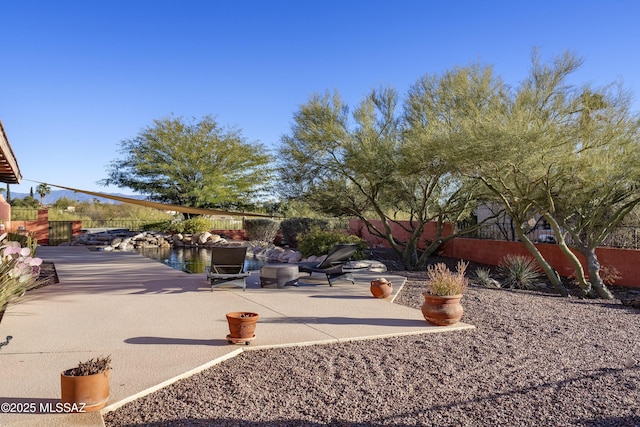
(441, 305)
(381, 288)
(85, 388)
(242, 326)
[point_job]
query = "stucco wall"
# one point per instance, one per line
(626, 261)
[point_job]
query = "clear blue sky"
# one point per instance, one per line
(78, 77)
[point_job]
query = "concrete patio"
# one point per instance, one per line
(159, 325)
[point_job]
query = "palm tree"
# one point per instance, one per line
(43, 190)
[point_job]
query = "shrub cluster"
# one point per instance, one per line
(261, 229)
(195, 225)
(320, 242)
(294, 227)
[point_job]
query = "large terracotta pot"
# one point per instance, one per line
(242, 326)
(381, 288)
(442, 310)
(86, 392)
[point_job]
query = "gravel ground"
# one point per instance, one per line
(535, 359)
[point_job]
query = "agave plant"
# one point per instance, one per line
(519, 272)
(483, 277)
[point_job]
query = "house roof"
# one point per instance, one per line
(9, 170)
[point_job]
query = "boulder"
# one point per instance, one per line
(204, 237)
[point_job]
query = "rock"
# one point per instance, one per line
(294, 257)
(368, 265)
(286, 255)
(204, 237)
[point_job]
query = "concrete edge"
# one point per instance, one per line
(436, 329)
(170, 381)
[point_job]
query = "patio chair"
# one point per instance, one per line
(227, 266)
(333, 264)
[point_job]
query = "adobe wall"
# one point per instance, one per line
(40, 228)
(358, 228)
(491, 252)
(626, 261)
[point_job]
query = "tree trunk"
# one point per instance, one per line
(593, 266)
(548, 270)
(573, 259)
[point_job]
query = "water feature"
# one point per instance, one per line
(191, 260)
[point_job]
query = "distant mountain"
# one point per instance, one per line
(80, 197)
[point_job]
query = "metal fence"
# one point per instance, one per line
(623, 237)
(137, 225)
(24, 214)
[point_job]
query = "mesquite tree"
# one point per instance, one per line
(195, 163)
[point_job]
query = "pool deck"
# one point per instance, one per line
(160, 325)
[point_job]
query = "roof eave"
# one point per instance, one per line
(9, 169)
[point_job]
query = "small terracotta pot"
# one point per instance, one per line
(88, 392)
(381, 288)
(442, 310)
(242, 324)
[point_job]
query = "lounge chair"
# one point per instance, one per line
(333, 264)
(227, 266)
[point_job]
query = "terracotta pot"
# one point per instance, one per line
(242, 325)
(381, 288)
(90, 390)
(442, 310)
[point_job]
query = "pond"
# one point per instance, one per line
(191, 260)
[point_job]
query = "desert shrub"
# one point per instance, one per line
(320, 242)
(609, 274)
(193, 225)
(261, 229)
(444, 282)
(519, 272)
(293, 227)
(483, 278)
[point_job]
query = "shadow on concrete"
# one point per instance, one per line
(174, 341)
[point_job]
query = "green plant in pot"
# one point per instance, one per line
(442, 305)
(85, 388)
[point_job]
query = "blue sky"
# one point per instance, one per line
(78, 77)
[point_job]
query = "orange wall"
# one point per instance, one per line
(40, 228)
(358, 228)
(626, 261)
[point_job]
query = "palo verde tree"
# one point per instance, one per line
(593, 187)
(508, 147)
(382, 164)
(194, 163)
(561, 153)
